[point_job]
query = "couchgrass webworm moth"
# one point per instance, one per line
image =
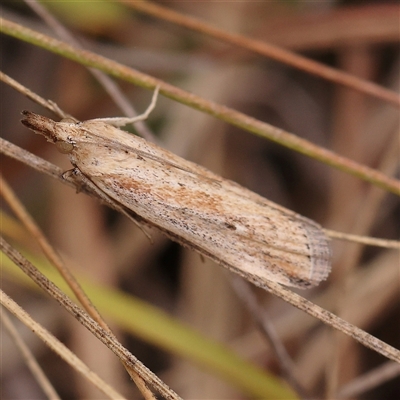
(220, 219)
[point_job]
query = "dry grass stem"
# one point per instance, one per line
(172, 309)
(224, 113)
(21, 213)
(104, 336)
(47, 104)
(247, 295)
(58, 347)
(333, 320)
(27, 355)
(370, 380)
(370, 241)
(55, 260)
(338, 323)
(267, 50)
(108, 84)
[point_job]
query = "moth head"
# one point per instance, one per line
(54, 132)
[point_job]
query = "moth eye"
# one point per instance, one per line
(64, 147)
(68, 120)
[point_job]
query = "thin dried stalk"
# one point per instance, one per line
(108, 84)
(47, 104)
(224, 113)
(370, 380)
(56, 260)
(333, 320)
(268, 50)
(58, 347)
(249, 298)
(103, 335)
(370, 241)
(22, 214)
(29, 358)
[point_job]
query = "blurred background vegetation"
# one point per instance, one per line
(107, 250)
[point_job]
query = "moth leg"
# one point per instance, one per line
(73, 176)
(76, 176)
(122, 121)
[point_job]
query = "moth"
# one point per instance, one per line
(218, 218)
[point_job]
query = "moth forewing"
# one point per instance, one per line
(237, 228)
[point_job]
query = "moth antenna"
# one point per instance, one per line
(122, 121)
